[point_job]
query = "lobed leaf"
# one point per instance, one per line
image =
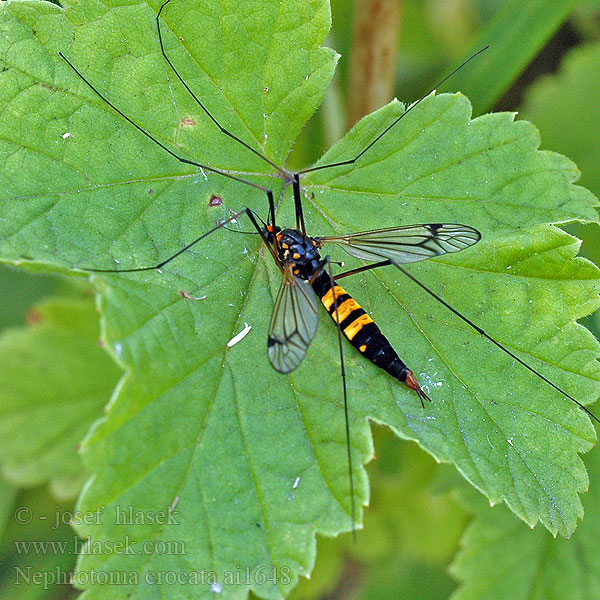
(248, 464)
(516, 33)
(571, 91)
(520, 564)
(54, 381)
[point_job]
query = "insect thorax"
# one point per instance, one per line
(299, 250)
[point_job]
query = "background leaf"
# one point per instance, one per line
(515, 35)
(574, 88)
(251, 465)
(20, 290)
(54, 381)
(562, 107)
(37, 546)
(519, 563)
(412, 529)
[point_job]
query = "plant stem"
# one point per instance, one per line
(373, 57)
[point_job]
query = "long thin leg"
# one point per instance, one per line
(327, 262)
(383, 263)
(245, 211)
(298, 204)
(414, 105)
(159, 143)
(491, 339)
(283, 172)
(471, 324)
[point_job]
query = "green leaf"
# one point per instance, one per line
(17, 285)
(562, 107)
(515, 35)
(411, 532)
(522, 564)
(8, 495)
(38, 547)
(54, 381)
(249, 462)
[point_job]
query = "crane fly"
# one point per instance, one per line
(307, 278)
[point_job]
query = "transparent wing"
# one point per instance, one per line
(293, 324)
(410, 243)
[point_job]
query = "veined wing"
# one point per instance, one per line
(293, 324)
(406, 244)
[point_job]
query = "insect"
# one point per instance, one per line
(308, 278)
(294, 320)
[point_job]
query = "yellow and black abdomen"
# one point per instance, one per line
(358, 327)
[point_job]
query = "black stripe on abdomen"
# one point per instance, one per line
(358, 327)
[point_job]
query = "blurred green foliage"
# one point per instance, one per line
(560, 106)
(42, 472)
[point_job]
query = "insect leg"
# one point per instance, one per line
(283, 172)
(181, 159)
(245, 211)
(474, 326)
(383, 263)
(327, 262)
(496, 343)
(298, 204)
(413, 105)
